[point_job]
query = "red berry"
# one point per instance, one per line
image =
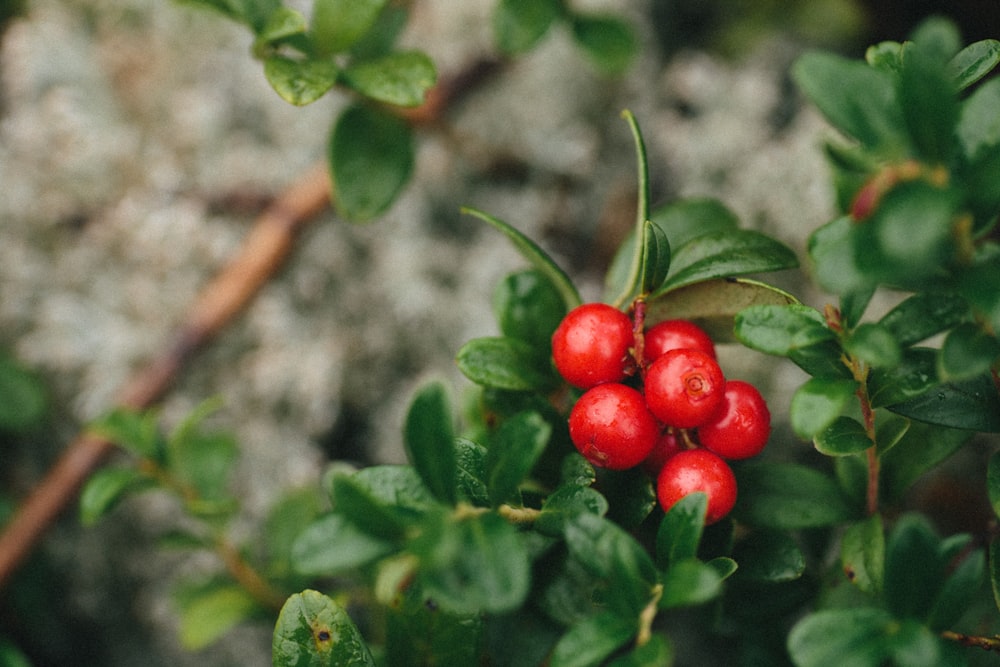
(666, 446)
(684, 387)
(695, 470)
(591, 345)
(611, 426)
(741, 426)
(675, 334)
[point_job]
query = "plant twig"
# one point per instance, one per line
(264, 250)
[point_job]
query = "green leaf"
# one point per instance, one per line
(535, 255)
(993, 482)
(371, 158)
(769, 556)
(518, 25)
(654, 653)
(978, 128)
(862, 554)
(874, 344)
(726, 254)
(923, 315)
(314, 631)
(640, 253)
(528, 307)
(592, 639)
(607, 40)
(285, 522)
(564, 504)
(817, 403)
(204, 461)
(23, 400)
(915, 374)
(655, 257)
(686, 219)
(429, 438)
(471, 459)
(300, 82)
(338, 24)
(714, 304)
(972, 405)
(929, 99)
(206, 617)
(505, 363)
(836, 266)
(856, 637)
(282, 24)
(396, 78)
(913, 568)
(378, 518)
(779, 330)
(610, 553)
(105, 489)
(920, 449)
(134, 430)
(689, 583)
(420, 633)
(857, 99)
(845, 436)
(679, 533)
(967, 352)
(961, 586)
(974, 62)
(333, 545)
(476, 564)
(890, 430)
(788, 496)
(513, 451)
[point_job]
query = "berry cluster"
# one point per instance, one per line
(659, 399)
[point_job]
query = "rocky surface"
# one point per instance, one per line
(136, 142)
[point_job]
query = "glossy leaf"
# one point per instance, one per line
(890, 429)
(528, 307)
(518, 25)
(645, 254)
(915, 374)
(314, 631)
(105, 488)
(607, 40)
(974, 62)
(513, 451)
(727, 254)
(429, 438)
(714, 304)
(856, 637)
(919, 450)
(845, 436)
(686, 219)
(592, 639)
(874, 344)
(401, 78)
(538, 258)
(688, 583)
(471, 459)
(23, 400)
(788, 496)
(973, 405)
(923, 315)
(779, 330)
(375, 517)
(334, 545)
(769, 556)
(205, 617)
(564, 504)
(300, 82)
(371, 158)
(817, 403)
(504, 363)
(477, 564)
(857, 99)
(862, 554)
(655, 257)
(338, 24)
(399, 486)
(679, 533)
(967, 352)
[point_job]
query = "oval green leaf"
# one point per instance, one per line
(504, 363)
(314, 631)
(845, 436)
(513, 451)
(338, 24)
(402, 79)
(817, 403)
(788, 496)
(334, 545)
(300, 82)
(726, 254)
(429, 438)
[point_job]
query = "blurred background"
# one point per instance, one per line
(139, 140)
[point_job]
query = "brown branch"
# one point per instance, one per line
(264, 250)
(262, 253)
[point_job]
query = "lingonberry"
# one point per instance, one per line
(694, 470)
(611, 426)
(684, 387)
(591, 345)
(668, 444)
(740, 426)
(675, 334)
